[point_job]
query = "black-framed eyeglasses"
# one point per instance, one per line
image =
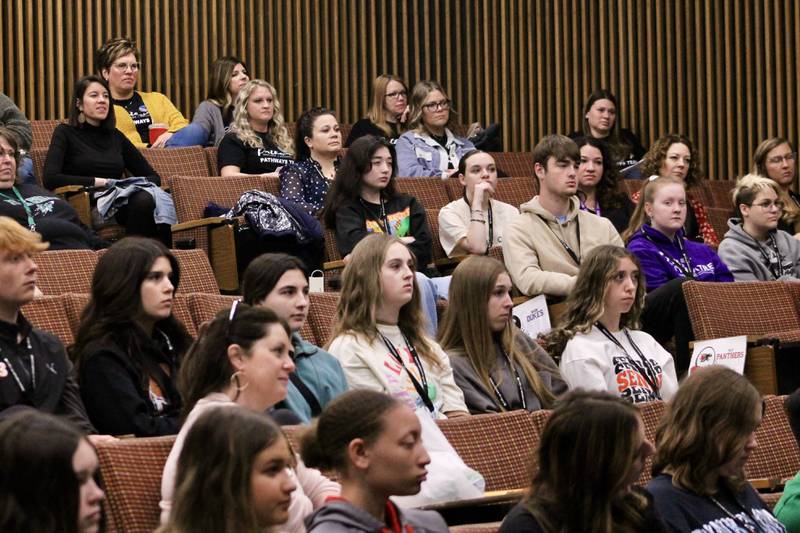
(766, 205)
(435, 106)
(396, 94)
(778, 159)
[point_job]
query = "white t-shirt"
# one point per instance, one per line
(592, 361)
(454, 220)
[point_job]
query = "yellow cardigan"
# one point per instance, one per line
(161, 111)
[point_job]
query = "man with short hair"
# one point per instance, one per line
(543, 246)
(34, 368)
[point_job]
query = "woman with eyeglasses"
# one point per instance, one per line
(754, 248)
(388, 113)
(429, 148)
(776, 159)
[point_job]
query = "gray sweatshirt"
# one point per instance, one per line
(749, 260)
(13, 119)
(339, 516)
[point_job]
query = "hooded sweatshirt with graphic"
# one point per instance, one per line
(776, 259)
(340, 516)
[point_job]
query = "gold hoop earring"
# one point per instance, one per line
(236, 382)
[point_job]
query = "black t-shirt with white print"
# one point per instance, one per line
(233, 151)
(139, 114)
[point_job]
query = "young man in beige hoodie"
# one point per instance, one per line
(543, 246)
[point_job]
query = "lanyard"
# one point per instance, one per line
(490, 222)
(422, 389)
(685, 268)
(31, 221)
(774, 260)
(505, 403)
(32, 372)
(575, 256)
(736, 519)
(643, 366)
(584, 207)
(383, 219)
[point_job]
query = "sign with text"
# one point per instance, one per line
(532, 317)
(729, 351)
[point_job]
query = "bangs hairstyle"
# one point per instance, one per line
(361, 296)
(356, 414)
(348, 181)
(592, 437)
(609, 189)
(108, 123)
(11, 139)
(791, 211)
(112, 50)
(647, 195)
(748, 187)
(15, 239)
(418, 96)
(206, 367)
(655, 156)
(465, 329)
(559, 147)
(586, 303)
(219, 80)
(241, 119)
(707, 424)
(215, 468)
(305, 129)
(264, 272)
(377, 111)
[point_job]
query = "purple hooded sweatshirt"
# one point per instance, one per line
(662, 260)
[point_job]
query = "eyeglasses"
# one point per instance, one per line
(778, 159)
(397, 94)
(11, 154)
(435, 106)
(769, 204)
(122, 67)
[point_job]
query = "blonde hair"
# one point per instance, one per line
(377, 111)
(748, 187)
(241, 120)
(15, 239)
(418, 96)
(647, 196)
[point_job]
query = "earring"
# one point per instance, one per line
(81, 118)
(235, 381)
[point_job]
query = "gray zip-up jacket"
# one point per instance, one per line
(339, 516)
(749, 260)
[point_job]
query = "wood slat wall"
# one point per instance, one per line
(722, 71)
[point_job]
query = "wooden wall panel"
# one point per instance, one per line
(722, 71)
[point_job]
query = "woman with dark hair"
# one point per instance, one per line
(48, 481)
(600, 188)
(429, 148)
(497, 366)
(702, 445)
(279, 282)
(239, 463)
(317, 144)
(598, 440)
(241, 361)
(775, 158)
(600, 122)
(598, 342)
(388, 113)
(129, 345)
(215, 113)
(90, 152)
(374, 443)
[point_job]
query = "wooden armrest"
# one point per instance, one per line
(201, 222)
(767, 484)
(333, 265)
(520, 299)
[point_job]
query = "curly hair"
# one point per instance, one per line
(241, 120)
(655, 156)
(610, 191)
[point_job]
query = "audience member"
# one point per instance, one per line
(776, 159)
(388, 113)
(379, 331)
(675, 156)
(49, 479)
(597, 440)
(89, 151)
(474, 223)
(600, 188)
(279, 282)
(429, 148)
(544, 245)
(241, 361)
(238, 464)
(129, 345)
(14, 120)
(40, 210)
(257, 141)
(35, 365)
(598, 342)
(600, 122)
(753, 247)
(702, 445)
(497, 366)
(215, 113)
(374, 443)
(787, 510)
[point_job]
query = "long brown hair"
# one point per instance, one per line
(586, 303)
(465, 329)
(377, 111)
(791, 211)
(586, 453)
(647, 196)
(418, 95)
(707, 423)
(619, 148)
(361, 295)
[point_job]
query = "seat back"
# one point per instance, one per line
(514, 163)
(516, 191)
(38, 156)
(180, 310)
(322, 314)
(211, 160)
(65, 271)
(499, 446)
(430, 192)
(49, 313)
(74, 304)
(131, 471)
(196, 272)
(184, 161)
(719, 194)
(777, 455)
(204, 307)
(436, 245)
(42, 131)
(652, 413)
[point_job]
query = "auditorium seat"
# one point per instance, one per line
(180, 310)
(196, 272)
(440, 258)
(211, 159)
(74, 304)
(42, 131)
(777, 455)
(430, 192)
(516, 190)
(204, 307)
(38, 156)
(322, 315)
(489, 527)
(48, 313)
(652, 413)
(184, 161)
(65, 271)
(514, 163)
(718, 218)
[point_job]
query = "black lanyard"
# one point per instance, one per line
(32, 372)
(490, 221)
(643, 367)
(685, 268)
(505, 403)
(575, 256)
(421, 388)
(31, 220)
(774, 262)
(383, 219)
